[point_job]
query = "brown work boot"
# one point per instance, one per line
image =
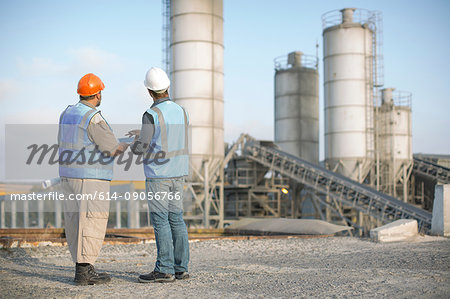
(86, 275)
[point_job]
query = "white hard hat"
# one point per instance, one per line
(156, 80)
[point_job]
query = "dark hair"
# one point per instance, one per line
(161, 95)
(87, 98)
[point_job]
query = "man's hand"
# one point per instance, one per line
(133, 133)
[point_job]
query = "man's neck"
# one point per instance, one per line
(88, 103)
(160, 100)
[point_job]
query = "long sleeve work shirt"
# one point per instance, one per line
(100, 133)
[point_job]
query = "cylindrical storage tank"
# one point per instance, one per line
(196, 47)
(348, 91)
(297, 105)
(395, 128)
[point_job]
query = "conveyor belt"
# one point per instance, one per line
(361, 197)
(431, 170)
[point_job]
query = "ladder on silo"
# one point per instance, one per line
(431, 170)
(373, 126)
(165, 63)
(338, 188)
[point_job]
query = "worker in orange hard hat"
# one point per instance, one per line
(87, 148)
(90, 85)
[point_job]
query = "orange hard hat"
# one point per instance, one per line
(89, 85)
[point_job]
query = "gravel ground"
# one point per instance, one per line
(326, 267)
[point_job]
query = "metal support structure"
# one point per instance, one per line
(335, 208)
(221, 197)
(426, 173)
(252, 190)
(431, 170)
(2, 213)
(118, 214)
(206, 191)
(58, 212)
(13, 215)
(26, 214)
(350, 193)
(40, 214)
(207, 194)
(133, 208)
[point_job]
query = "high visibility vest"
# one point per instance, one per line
(168, 154)
(79, 157)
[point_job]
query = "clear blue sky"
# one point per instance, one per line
(46, 46)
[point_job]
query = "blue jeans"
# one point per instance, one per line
(165, 201)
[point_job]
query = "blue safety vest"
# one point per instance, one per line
(79, 157)
(168, 155)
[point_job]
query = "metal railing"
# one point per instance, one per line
(360, 15)
(402, 98)
(308, 61)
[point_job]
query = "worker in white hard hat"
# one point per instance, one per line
(86, 149)
(163, 142)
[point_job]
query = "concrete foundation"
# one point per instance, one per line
(440, 224)
(400, 230)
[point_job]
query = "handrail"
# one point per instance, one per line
(360, 15)
(307, 61)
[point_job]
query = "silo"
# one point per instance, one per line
(196, 46)
(348, 37)
(395, 131)
(297, 105)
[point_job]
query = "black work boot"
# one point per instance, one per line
(86, 275)
(181, 275)
(156, 277)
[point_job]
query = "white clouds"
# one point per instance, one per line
(76, 61)
(47, 82)
(8, 88)
(95, 59)
(34, 116)
(40, 66)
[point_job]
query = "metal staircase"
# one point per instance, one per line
(339, 188)
(431, 170)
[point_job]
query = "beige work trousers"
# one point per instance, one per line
(85, 217)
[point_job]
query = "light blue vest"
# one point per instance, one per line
(168, 154)
(78, 155)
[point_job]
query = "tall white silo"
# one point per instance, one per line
(297, 105)
(395, 138)
(348, 37)
(196, 47)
